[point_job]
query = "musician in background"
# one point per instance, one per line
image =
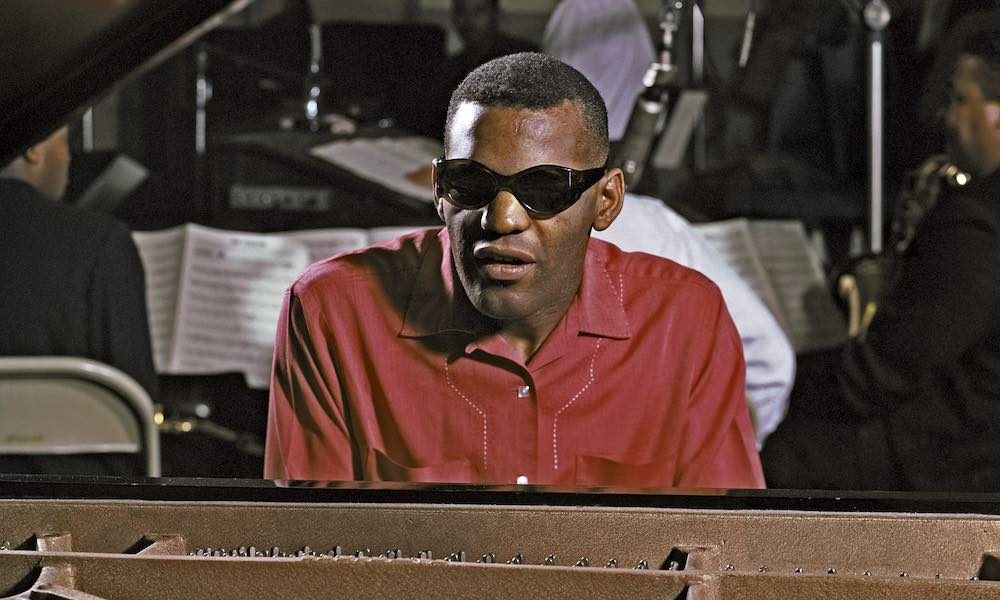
(72, 280)
(608, 42)
(477, 23)
(914, 401)
(510, 346)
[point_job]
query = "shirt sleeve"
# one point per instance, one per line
(719, 449)
(307, 429)
(119, 325)
(944, 300)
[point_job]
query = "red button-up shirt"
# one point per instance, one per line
(383, 371)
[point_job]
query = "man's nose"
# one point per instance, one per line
(505, 214)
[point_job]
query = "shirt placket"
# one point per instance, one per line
(525, 398)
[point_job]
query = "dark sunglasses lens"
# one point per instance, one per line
(466, 186)
(545, 191)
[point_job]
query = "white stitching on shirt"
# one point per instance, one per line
(451, 384)
(555, 419)
(621, 285)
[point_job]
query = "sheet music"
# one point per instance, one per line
(384, 160)
(214, 295)
(796, 275)
(735, 243)
(775, 259)
(324, 243)
(160, 252)
(229, 300)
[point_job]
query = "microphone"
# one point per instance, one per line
(652, 106)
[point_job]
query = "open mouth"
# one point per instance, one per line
(503, 266)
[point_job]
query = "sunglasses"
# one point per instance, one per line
(544, 190)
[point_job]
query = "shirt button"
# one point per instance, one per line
(524, 391)
(522, 480)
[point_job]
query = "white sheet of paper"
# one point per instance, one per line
(386, 161)
(160, 252)
(229, 300)
(797, 276)
(733, 241)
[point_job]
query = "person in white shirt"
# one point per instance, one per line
(609, 43)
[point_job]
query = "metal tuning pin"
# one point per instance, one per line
(336, 551)
(831, 571)
(394, 553)
(456, 556)
(550, 560)
(518, 559)
(488, 559)
(425, 554)
(363, 553)
(762, 569)
(673, 566)
(612, 564)
(642, 566)
(583, 562)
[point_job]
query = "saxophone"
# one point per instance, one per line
(862, 284)
(922, 188)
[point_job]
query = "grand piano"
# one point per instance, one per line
(90, 538)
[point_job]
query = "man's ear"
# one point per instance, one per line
(33, 154)
(609, 203)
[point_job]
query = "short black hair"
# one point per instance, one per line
(985, 46)
(534, 81)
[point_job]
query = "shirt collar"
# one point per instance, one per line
(438, 303)
(599, 307)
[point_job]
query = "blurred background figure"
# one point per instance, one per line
(73, 282)
(911, 402)
(607, 41)
(477, 23)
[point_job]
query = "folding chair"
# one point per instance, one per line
(62, 406)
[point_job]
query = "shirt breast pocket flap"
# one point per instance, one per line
(598, 470)
(380, 467)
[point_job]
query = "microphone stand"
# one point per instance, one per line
(874, 16)
(653, 104)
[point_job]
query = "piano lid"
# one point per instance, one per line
(59, 56)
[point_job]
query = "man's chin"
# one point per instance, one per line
(501, 302)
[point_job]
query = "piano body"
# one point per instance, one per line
(88, 539)
(78, 539)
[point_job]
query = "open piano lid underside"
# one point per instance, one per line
(59, 56)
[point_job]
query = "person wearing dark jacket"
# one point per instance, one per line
(71, 281)
(914, 402)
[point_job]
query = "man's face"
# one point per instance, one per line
(973, 122)
(513, 266)
(52, 168)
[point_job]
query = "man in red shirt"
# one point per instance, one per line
(510, 347)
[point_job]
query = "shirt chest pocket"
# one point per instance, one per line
(601, 471)
(380, 467)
